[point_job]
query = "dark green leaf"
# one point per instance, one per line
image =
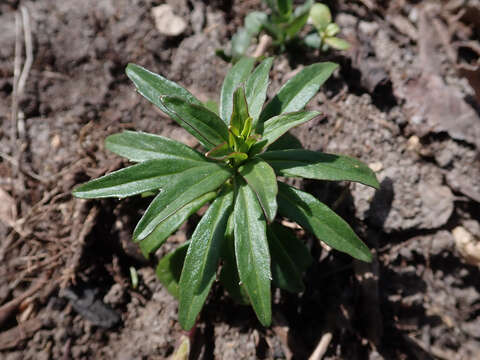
(153, 241)
(256, 89)
(181, 190)
(285, 7)
(320, 220)
(251, 251)
(139, 146)
(229, 273)
(201, 262)
(277, 126)
(170, 267)
(304, 8)
(220, 152)
(296, 25)
(286, 141)
(212, 105)
(235, 77)
(146, 176)
(262, 180)
(297, 92)
(153, 86)
(239, 112)
(205, 125)
(290, 258)
(320, 166)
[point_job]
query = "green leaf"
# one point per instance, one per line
(313, 40)
(277, 126)
(240, 42)
(229, 273)
(181, 190)
(320, 220)
(317, 165)
(158, 236)
(251, 251)
(285, 7)
(153, 86)
(201, 262)
(286, 141)
(262, 180)
(149, 175)
(321, 16)
(256, 89)
(220, 152)
(212, 105)
(205, 125)
(169, 268)
(337, 43)
(331, 30)
(239, 112)
(297, 92)
(304, 8)
(290, 258)
(254, 22)
(139, 146)
(296, 25)
(236, 76)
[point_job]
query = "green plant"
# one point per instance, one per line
(238, 176)
(283, 24)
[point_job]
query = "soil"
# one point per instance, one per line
(406, 101)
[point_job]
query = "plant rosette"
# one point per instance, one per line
(247, 147)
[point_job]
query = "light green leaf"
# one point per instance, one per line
(254, 22)
(321, 16)
(201, 262)
(251, 251)
(297, 92)
(262, 180)
(149, 175)
(153, 86)
(240, 43)
(313, 40)
(205, 125)
(235, 77)
(256, 89)
(317, 165)
(139, 146)
(277, 126)
(170, 267)
(158, 236)
(181, 190)
(239, 112)
(337, 43)
(320, 220)
(290, 258)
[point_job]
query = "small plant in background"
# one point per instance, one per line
(283, 24)
(237, 175)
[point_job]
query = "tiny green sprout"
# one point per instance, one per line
(246, 146)
(324, 36)
(284, 24)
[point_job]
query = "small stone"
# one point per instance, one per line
(444, 157)
(467, 246)
(376, 166)
(167, 22)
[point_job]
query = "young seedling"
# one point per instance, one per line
(283, 24)
(237, 175)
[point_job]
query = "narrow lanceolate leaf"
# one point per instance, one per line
(256, 89)
(181, 190)
(153, 86)
(276, 126)
(317, 218)
(251, 251)
(146, 176)
(296, 25)
(229, 273)
(205, 125)
(202, 259)
(290, 258)
(320, 166)
(139, 146)
(169, 268)
(239, 112)
(153, 241)
(297, 92)
(236, 76)
(262, 180)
